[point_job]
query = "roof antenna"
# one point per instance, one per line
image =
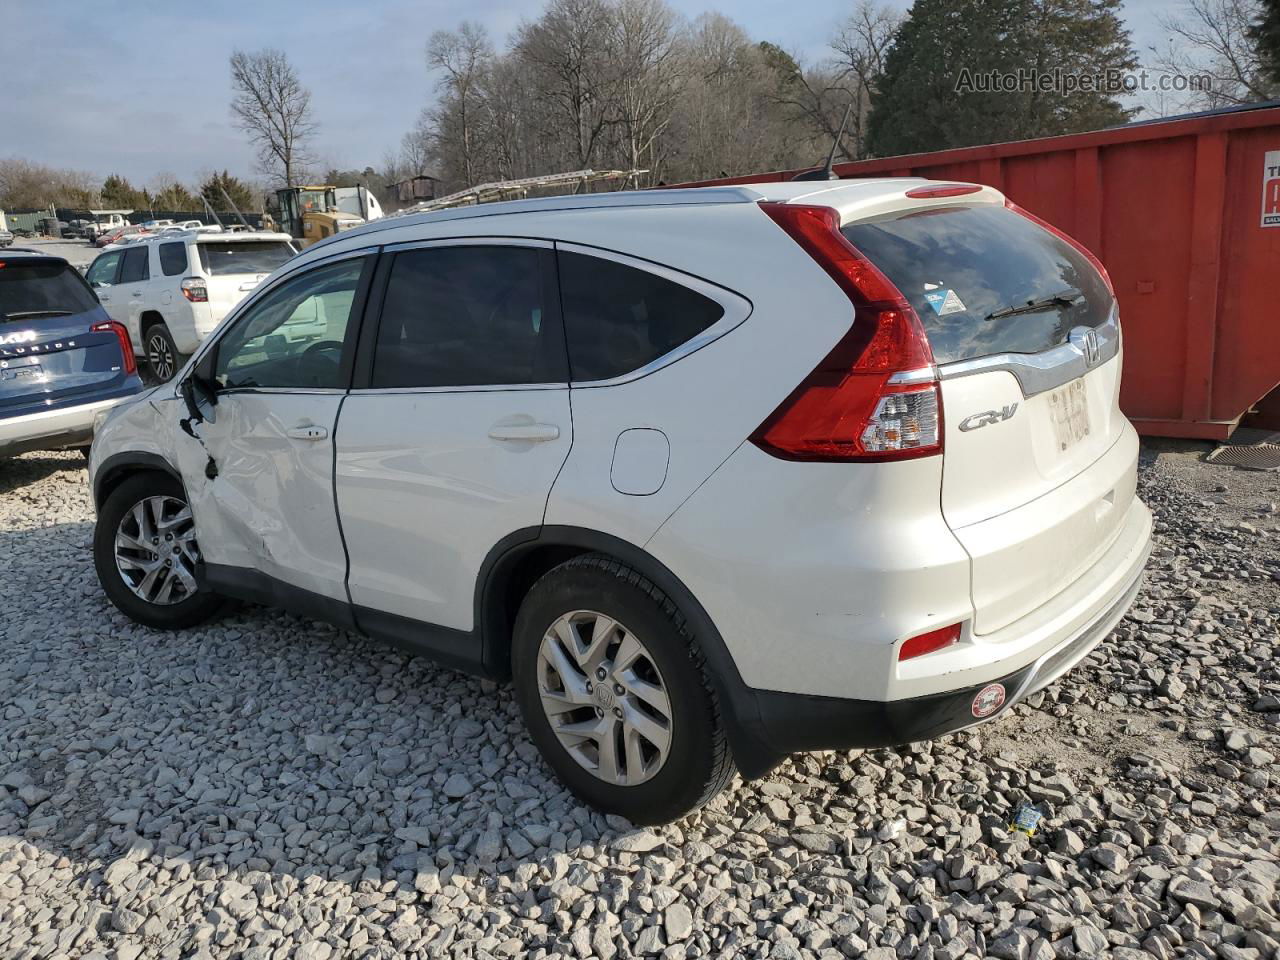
(825, 172)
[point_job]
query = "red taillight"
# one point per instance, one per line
(1066, 238)
(875, 395)
(195, 290)
(943, 190)
(929, 642)
(126, 347)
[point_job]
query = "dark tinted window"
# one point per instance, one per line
(618, 318)
(298, 335)
(135, 265)
(173, 258)
(959, 265)
(42, 287)
(245, 256)
(466, 316)
(104, 268)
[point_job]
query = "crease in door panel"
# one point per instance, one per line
(337, 514)
(546, 504)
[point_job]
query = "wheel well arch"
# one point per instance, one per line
(148, 319)
(117, 469)
(518, 560)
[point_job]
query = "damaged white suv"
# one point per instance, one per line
(713, 475)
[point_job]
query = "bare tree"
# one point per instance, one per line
(462, 56)
(24, 184)
(569, 48)
(273, 107)
(414, 153)
(821, 94)
(1211, 38)
(648, 76)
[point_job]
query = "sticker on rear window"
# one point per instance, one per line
(944, 301)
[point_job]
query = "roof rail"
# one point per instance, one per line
(702, 196)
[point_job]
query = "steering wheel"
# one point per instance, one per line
(320, 359)
(321, 345)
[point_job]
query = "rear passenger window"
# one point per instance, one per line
(135, 265)
(173, 258)
(466, 316)
(618, 318)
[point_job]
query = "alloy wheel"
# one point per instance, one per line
(160, 357)
(156, 552)
(604, 697)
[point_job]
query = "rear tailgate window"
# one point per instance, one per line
(245, 256)
(41, 288)
(970, 271)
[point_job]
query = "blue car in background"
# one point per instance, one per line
(63, 361)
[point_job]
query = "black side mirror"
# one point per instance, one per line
(199, 381)
(204, 377)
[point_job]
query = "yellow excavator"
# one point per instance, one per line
(312, 213)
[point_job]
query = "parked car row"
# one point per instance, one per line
(713, 475)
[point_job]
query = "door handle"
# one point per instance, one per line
(137, 293)
(532, 432)
(308, 432)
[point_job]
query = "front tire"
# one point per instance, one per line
(615, 692)
(145, 554)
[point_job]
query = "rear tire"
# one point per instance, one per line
(145, 512)
(589, 635)
(163, 358)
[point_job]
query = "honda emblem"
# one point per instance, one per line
(1086, 341)
(1092, 352)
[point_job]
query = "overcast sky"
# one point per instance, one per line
(143, 88)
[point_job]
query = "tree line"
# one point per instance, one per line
(34, 186)
(632, 84)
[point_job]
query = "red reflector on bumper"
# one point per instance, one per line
(929, 642)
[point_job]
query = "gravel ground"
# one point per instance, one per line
(79, 253)
(268, 787)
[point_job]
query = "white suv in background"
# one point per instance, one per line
(714, 475)
(170, 289)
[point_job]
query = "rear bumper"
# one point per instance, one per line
(791, 722)
(56, 429)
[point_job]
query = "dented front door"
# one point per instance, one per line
(269, 505)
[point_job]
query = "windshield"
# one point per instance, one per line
(41, 288)
(984, 279)
(245, 256)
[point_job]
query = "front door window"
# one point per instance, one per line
(299, 335)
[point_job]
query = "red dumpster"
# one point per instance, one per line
(1185, 213)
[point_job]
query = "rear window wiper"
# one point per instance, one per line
(37, 313)
(1064, 298)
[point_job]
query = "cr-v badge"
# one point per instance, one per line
(988, 417)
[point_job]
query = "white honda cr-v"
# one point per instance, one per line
(713, 475)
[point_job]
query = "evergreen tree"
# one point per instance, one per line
(964, 72)
(1265, 34)
(119, 194)
(174, 197)
(241, 193)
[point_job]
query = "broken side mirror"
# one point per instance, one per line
(199, 390)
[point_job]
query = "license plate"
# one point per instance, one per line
(1069, 408)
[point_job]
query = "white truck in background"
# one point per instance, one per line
(358, 200)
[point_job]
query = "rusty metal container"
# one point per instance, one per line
(1185, 214)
